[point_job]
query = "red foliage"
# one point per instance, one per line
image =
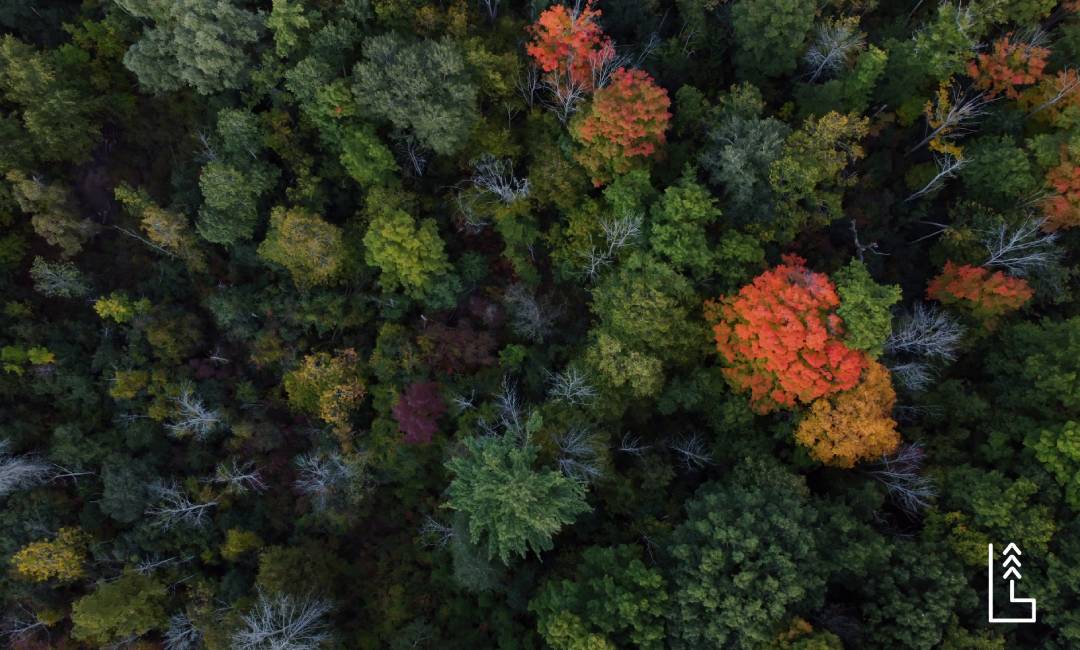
(1062, 210)
(781, 338)
(569, 42)
(1007, 66)
(417, 410)
(627, 119)
(987, 295)
(457, 349)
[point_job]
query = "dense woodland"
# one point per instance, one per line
(516, 324)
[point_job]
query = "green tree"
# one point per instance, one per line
(367, 160)
(677, 226)
(612, 594)
(865, 307)
(424, 86)
(311, 249)
(199, 43)
(131, 605)
(511, 508)
(230, 201)
(770, 35)
(51, 213)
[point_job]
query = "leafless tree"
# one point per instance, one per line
(948, 165)
(619, 233)
(496, 176)
(175, 508)
(411, 153)
(915, 376)
(58, 279)
(956, 117)
(833, 42)
(577, 455)
(21, 472)
(473, 217)
(1021, 250)
(152, 564)
(192, 417)
(631, 444)
(1066, 85)
(322, 476)
(692, 451)
(283, 622)
(529, 84)
(435, 533)
(239, 478)
(492, 8)
(511, 411)
(530, 317)
(182, 634)
(901, 473)
(565, 93)
(571, 386)
(926, 332)
(21, 625)
(464, 402)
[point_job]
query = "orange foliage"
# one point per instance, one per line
(1007, 66)
(987, 295)
(1053, 96)
(1062, 210)
(781, 338)
(627, 120)
(569, 42)
(853, 425)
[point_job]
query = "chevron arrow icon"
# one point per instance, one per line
(1011, 571)
(1011, 559)
(1011, 548)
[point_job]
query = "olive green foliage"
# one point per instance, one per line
(1059, 451)
(311, 249)
(230, 202)
(424, 86)
(865, 307)
(677, 226)
(367, 160)
(998, 171)
(613, 595)
(131, 605)
(511, 508)
(770, 35)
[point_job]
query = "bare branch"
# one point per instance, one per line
(927, 332)
(182, 634)
(619, 233)
(497, 177)
(577, 455)
(435, 533)
(571, 386)
(833, 42)
(954, 116)
(1021, 250)
(530, 317)
(948, 165)
(192, 417)
(283, 622)
(692, 452)
(901, 473)
(631, 444)
(322, 477)
(174, 508)
(21, 472)
(239, 478)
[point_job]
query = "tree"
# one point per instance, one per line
(854, 425)
(131, 605)
(364, 156)
(283, 622)
(984, 294)
(1059, 452)
(781, 338)
(20, 472)
(410, 257)
(678, 226)
(51, 213)
(58, 279)
(865, 308)
(61, 559)
(417, 411)
(230, 201)
(570, 42)
(424, 86)
(1007, 65)
(770, 35)
(510, 507)
(1062, 209)
(624, 124)
(745, 560)
(169, 231)
(199, 43)
(327, 386)
(311, 249)
(808, 177)
(612, 595)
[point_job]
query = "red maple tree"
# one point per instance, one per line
(627, 120)
(780, 338)
(417, 412)
(567, 41)
(1062, 209)
(986, 295)
(1007, 66)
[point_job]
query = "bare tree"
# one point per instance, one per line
(492, 8)
(619, 233)
(58, 279)
(692, 451)
(901, 473)
(530, 317)
(571, 386)
(915, 376)
(948, 165)
(529, 84)
(1021, 250)
(175, 508)
(283, 622)
(926, 332)
(631, 444)
(192, 417)
(411, 153)
(21, 626)
(833, 42)
(954, 116)
(565, 93)
(323, 476)
(577, 455)
(182, 634)
(496, 176)
(435, 533)
(239, 478)
(21, 472)
(464, 402)
(511, 410)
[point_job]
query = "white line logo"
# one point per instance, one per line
(1011, 566)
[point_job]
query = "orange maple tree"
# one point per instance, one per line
(626, 122)
(986, 295)
(1062, 209)
(1055, 97)
(781, 340)
(1007, 66)
(570, 42)
(852, 425)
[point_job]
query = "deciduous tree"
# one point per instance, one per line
(311, 249)
(984, 294)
